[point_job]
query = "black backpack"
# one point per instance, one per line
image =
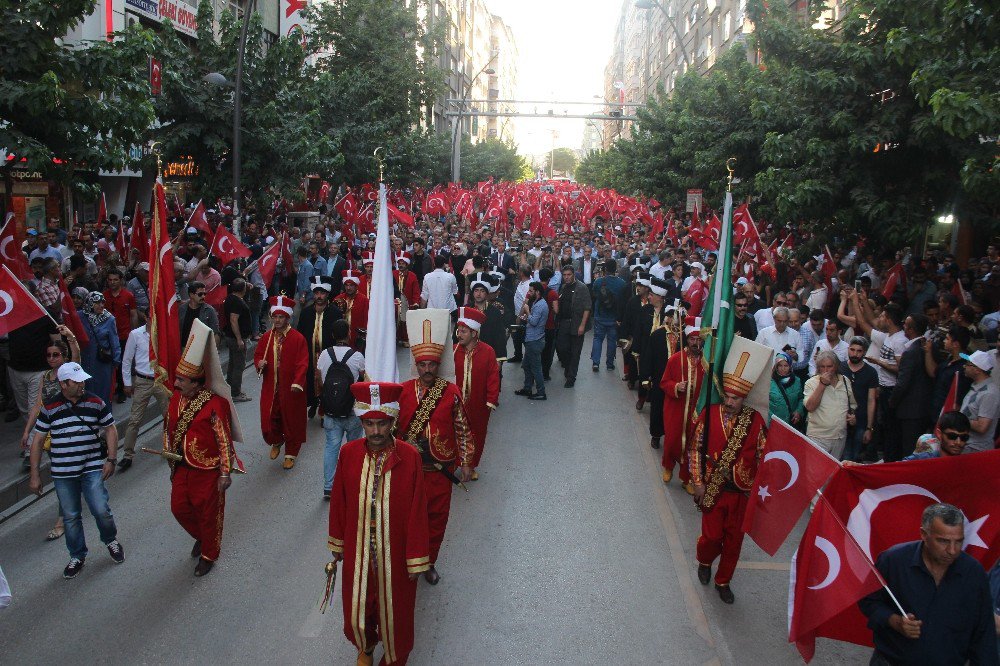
(337, 399)
(606, 299)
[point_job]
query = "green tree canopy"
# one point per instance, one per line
(494, 159)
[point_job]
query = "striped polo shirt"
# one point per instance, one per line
(76, 448)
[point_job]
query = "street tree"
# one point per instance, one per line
(563, 160)
(64, 108)
(494, 159)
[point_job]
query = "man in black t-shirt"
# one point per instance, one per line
(864, 381)
(236, 332)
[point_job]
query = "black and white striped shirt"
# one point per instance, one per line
(76, 448)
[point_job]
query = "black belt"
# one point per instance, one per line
(139, 374)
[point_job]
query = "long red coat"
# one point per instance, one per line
(408, 286)
(479, 384)
(743, 469)
(677, 431)
(355, 312)
(282, 410)
(401, 546)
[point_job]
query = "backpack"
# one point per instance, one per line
(337, 400)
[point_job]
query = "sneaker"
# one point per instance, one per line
(537, 396)
(116, 551)
(326, 495)
(595, 367)
(73, 568)
(242, 397)
(124, 464)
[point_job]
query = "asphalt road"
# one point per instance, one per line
(568, 550)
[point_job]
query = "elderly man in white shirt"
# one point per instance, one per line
(780, 337)
(440, 287)
(140, 385)
(661, 267)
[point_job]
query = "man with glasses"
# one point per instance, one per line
(765, 316)
(195, 308)
(982, 403)
(743, 324)
(781, 337)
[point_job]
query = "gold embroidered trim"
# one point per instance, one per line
(425, 409)
(187, 415)
(725, 461)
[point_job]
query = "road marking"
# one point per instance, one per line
(764, 566)
(667, 512)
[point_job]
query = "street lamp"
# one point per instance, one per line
(456, 144)
(217, 79)
(649, 4)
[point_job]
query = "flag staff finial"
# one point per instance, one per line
(731, 170)
(156, 148)
(381, 162)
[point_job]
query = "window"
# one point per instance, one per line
(726, 26)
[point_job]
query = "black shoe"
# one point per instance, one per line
(516, 359)
(196, 549)
(120, 398)
(569, 383)
(204, 566)
(116, 551)
(725, 594)
(595, 368)
(704, 573)
(124, 464)
(537, 396)
(326, 495)
(654, 442)
(73, 568)
(522, 392)
(312, 411)
(432, 576)
(547, 378)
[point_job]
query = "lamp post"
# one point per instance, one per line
(217, 79)
(456, 144)
(649, 4)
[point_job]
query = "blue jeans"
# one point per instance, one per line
(532, 365)
(336, 428)
(604, 330)
(91, 487)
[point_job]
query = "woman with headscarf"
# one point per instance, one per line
(786, 392)
(103, 352)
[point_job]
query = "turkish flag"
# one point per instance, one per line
(893, 278)
(70, 316)
(398, 215)
(11, 254)
(17, 306)
(155, 77)
(199, 221)
(881, 506)
(347, 207)
(268, 262)
(951, 400)
(139, 240)
(708, 238)
(223, 208)
(829, 575)
(102, 210)
(791, 471)
(286, 254)
(121, 246)
(216, 297)
(164, 313)
(227, 247)
(435, 204)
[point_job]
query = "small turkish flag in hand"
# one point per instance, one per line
(829, 575)
(791, 471)
(199, 220)
(17, 306)
(227, 247)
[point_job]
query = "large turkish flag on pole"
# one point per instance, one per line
(138, 239)
(829, 575)
(164, 319)
(268, 261)
(17, 306)
(791, 471)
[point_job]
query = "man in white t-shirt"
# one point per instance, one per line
(337, 426)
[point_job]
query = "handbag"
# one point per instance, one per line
(104, 355)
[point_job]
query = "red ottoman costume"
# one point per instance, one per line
(477, 375)
(282, 395)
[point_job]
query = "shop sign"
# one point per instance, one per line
(183, 14)
(184, 169)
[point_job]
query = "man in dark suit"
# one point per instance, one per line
(335, 266)
(316, 325)
(586, 269)
(910, 401)
(503, 261)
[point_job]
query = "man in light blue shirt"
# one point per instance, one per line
(534, 313)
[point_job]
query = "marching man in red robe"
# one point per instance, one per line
(725, 453)
(365, 279)
(408, 288)
(355, 308)
(282, 358)
(681, 384)
(378, 528)
(477, 375)
(199, 429)
(432, 418)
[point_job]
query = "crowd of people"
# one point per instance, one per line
(869, 349)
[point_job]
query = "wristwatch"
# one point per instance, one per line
(110, 460)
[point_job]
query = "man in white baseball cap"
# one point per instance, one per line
(982, 403)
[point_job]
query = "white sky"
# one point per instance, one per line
(564, 46)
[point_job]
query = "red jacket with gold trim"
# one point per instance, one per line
(208, 442)
(447, 431)
(744, 466)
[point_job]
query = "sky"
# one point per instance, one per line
(563, 47)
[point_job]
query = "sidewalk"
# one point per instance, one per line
(14, 493)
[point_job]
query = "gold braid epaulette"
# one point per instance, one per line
(184, 422)
(425, 409)
(725, 461)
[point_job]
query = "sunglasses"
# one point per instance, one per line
(963, 436)
(200, 294)
(55, 355)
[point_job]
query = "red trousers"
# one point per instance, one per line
(199, 507)
(674, 454)
(276, 433)
(438, 490)
(722, 534)
(372, 628)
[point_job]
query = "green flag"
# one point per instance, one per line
(717, 315)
